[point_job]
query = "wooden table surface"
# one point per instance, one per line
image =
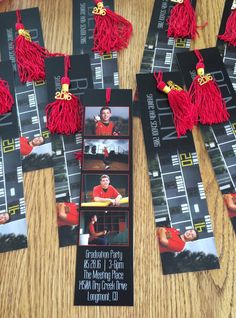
(38, 282)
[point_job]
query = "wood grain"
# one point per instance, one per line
(39, 282)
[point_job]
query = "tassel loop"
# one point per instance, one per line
(20, 28)
(160, 84)
(65, 82)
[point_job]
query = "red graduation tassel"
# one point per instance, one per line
(183, 110)
(112, 32)
(6, 100)
(206, 96)
(29, 55)
(230, 28)
(182, 22)
(64, 116)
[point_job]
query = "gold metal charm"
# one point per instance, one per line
(64, 93)
(99, 9)
(205, 79)
(174, 86)
(166, 89)
(233, 5)
(177, 1)
(25, 33)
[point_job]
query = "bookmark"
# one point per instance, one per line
(219, 139)
(184, 231)
(104, 268)
(13, 227)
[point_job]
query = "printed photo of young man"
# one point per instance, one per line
(171, 240)
(104, 125)
(67, 222)
(107, 121)
(36, 153)
(105, 190)
(27, 146)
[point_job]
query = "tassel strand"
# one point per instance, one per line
(230, 28)
(180, 104)
(112, 32)
(6, 99)
(205, 94)
(30, 56)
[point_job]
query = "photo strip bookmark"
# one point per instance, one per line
(104, 268)
(13, 228)
(220, 139)
(67, 167)
(31, 96)
(104, 67)
(159, 50)
(225, 44)
(184, 230)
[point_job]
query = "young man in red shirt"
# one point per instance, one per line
(171, 240)
(105, 127)
(106, 192)
(26, 146)
(96, 238)
(105, 158)
(4, 217)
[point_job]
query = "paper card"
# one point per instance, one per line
(104, 68)
(228, 52)
(13, 228)
(66, 166)
(159, 50)
(220, 140)
(104, 270)
(36, 147)
(177, 190)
